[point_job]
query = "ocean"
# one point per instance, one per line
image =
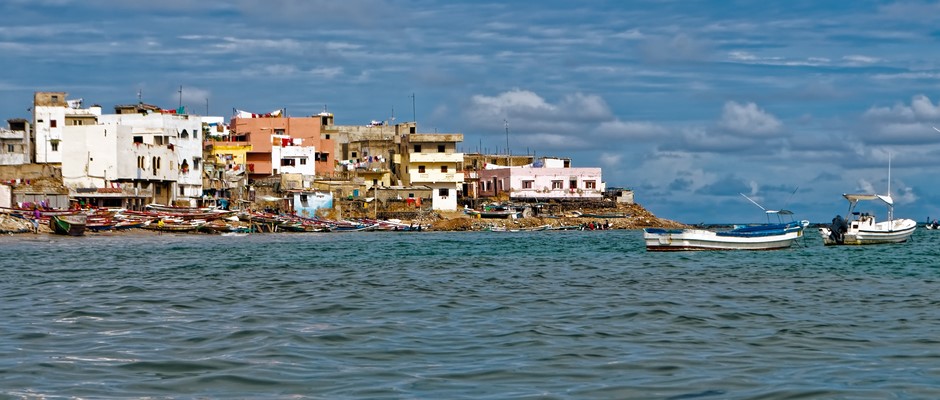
(464, 315)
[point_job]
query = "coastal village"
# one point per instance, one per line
(148, 167)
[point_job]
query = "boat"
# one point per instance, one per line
(932, 225)
(861, 228)
(68, 224)
(170, 225)
(748, 237)
(767, 236)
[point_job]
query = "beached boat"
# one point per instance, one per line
(749, 237)
(861, 228)
(168, 225)
(68, 224)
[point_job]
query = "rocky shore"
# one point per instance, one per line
(629, 216)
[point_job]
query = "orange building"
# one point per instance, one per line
(260, 132)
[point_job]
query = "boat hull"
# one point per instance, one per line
(71, 225)
(896, 231)
(699, 239)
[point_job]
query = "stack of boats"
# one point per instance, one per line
(163, 218)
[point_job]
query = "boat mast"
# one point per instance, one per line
(890, 205)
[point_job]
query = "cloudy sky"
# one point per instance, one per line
(689, 103)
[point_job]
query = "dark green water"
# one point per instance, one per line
(483, 315)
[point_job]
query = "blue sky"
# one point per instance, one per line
(690, 103)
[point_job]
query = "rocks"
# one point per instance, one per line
(12, 224)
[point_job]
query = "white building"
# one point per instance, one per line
(545, 179)
(15, 143)
(138, 155)
(290, 156)
(51, 114)
(182, 134)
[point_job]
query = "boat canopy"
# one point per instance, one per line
(860, 197)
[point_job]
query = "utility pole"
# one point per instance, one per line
(508, 153)
(414, 114)
(181, 96)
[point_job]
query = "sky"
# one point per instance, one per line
(689, 103)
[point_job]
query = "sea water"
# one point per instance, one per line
(464, 315)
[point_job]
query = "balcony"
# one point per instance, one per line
(436, 157)
(437, 177)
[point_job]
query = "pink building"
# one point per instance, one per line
(546, 179)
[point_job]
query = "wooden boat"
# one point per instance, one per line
(68, 224)
(167, 225)
(861, 227)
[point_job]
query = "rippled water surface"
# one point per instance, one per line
(483, 315)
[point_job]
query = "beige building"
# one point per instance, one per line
(432, 160)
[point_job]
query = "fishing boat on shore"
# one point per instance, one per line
(68, 224)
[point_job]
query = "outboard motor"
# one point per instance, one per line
(837, 229)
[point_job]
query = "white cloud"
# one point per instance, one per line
(639, 130)
(859, 59)
(748, 120)
(920, 109)
(609, 160)
(526, 107)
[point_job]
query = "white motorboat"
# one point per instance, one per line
(861, 227)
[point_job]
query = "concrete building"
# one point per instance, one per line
(51, 114)
(432, 160)
(548, 178)
(261, 132)
(15, 142)
(138, 155)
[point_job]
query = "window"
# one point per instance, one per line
(441, 148)
(196, 161)
(287, 162)
(590, 184)
(184, 134)
(557, 185)
(420, 169)
(352, 154)
(55, 146)
(303, 161)
(443, 169)
(573, 184)
(443, 192)
(417, 148)
(55, 98)
(53, 123)
(527, 184)
(138, 139)
(327, 136)
(10, 148)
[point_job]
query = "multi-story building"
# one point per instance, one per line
(432, 160)
(262, 132)
(138, 155)
(548, 178)
(366, 152)
(15, 143)
(51, 114)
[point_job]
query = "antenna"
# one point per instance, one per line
(752, 201)
(508, 153)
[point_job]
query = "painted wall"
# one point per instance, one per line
(306, 204)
